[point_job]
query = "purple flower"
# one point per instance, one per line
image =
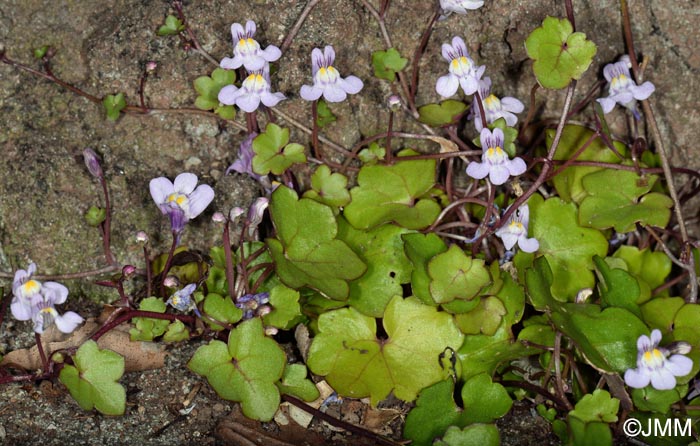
(35, 301)
(327, 80)
(244, 160)
(495, 108)
(462, 71)
(494, 160)
(656, 365)
(182, 299)
(92, 162)
(249, 303)
(182, 200)
(515, 231)
(460, 6)
(246, 50)
(622, 88)
(255, 89)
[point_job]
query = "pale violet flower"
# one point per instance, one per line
(460, 6)
(252, 304)
(246, 50)
(495, 108)
(327, 80)
(515, 231)
(182, 299)
(622, 89)
(656, 365)
(35, 301)
(244, 160)
(254, 90)
(181, 200)
(462, 72)
(494, 160)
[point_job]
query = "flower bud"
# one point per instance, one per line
(142, 237)
(92, 162)
(128, 271)
(218, 217)
(394, 102)
(151, 66)
(270, 331)
(171, 282)
(235, 213)
(263, 310)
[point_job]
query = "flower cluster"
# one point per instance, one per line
(254, 304)
(255, 88)
(181, 200)
(622, 89)
(36, 301)
(657, 365)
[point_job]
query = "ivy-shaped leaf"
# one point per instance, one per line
(285, 308)
(328, 188)
(485, 318)
(454, 275)
(324, 115)
(387, 63)
(295, 383)
(357, 364)
(222, 309)
(619, 199)
(568, 182)
(381, 249)
(396, 193)
(92, 382)
(177, 331)
(568, 247)
(148, 328)
(596, 406)
(434, 412)
(420, 248)
(172, 26)
(439, 115)
(650, 266)
(245, 370)
(306, 252)
(113, 105)
(473, 435)
(273, 154)
(95, 216)
(208, 89)
(560, 54)
(372, 154)
(617, 287)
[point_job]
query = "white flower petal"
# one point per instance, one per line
(185, 183)
(160, 189)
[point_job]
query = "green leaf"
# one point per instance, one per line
(245, 370)
(92, 382)
(568, 248)
(208, 87)
(357, 364)
(434, 412)
(221, 309)
(286, 310)
(439, 115)
(650, 399)
(324, 115)
(484, 401)
(560, 54)
(306, 252)
(485, 318)
(113, 105)
(614, 201)
(372, 154)
(328, 188)
(617, 287)
(456, 276)
(396, 193)
(596, 406)
(41, 51)
(148, 328)
(172, 26)
(474, 435)
(387, 63)
(568, 182)
(177, 331)
(381, 249)
(95, 216)
(649, 266)
(295, 383)
(661, 312)
(585, 434)
(273, 154)
(420, 248)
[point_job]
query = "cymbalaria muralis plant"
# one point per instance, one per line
(511, 261)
